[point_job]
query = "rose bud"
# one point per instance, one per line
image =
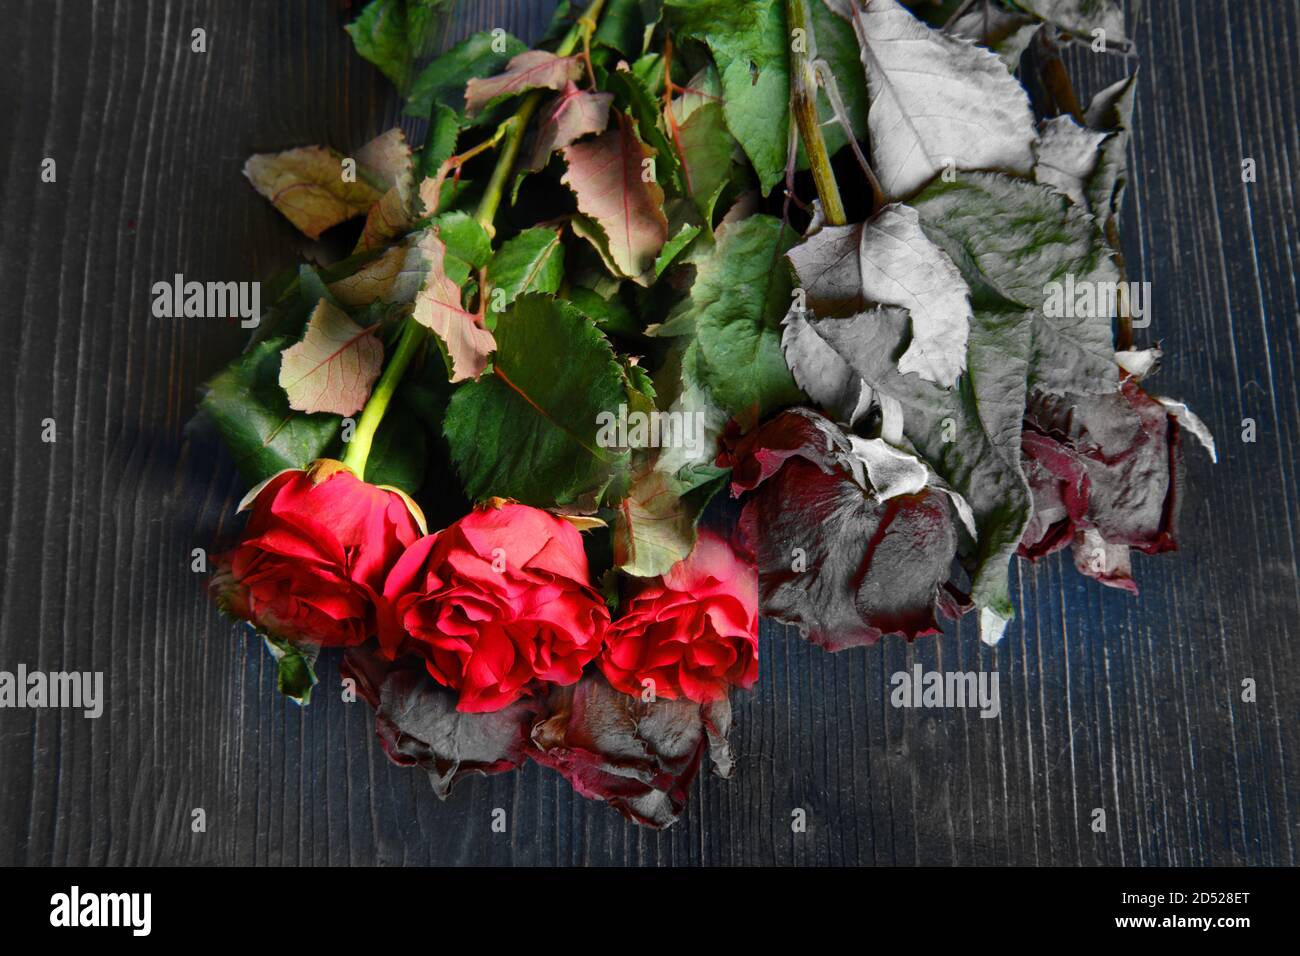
(498, 601)
(310, 565)
(693, 632)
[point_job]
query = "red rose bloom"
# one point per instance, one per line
(694, 631)
(310, 565)
(500, 599)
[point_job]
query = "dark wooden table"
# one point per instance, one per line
(1132, 706)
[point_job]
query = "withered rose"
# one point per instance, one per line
(494, 603)
(1104, 471)
(311, 563)
(835, 558)
(693, 632)
(638, 756)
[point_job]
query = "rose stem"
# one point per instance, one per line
(803, 102)
(412, 335)
(517, 124)
(364, 435)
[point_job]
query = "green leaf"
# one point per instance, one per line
(295, 667)
(741, 292)
(468, 246)
(400, 452)
(626, 25)
(290, 310)
(657, 522)
(252, 414)
(444, 80)
(610, 315)
(440, 144)
(674, 247)
(394, 34)
(532, 261)
(750, 46)
(527, 430)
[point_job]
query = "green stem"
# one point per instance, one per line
(359, 447)
(803, 101)
(515, 127)
(412, 335)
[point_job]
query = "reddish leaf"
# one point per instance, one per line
(388, 157)
(610, 177)
(570, 116)
(438, 307)
(530, 70)
(308, 187)
(334, 366)
(386, 220)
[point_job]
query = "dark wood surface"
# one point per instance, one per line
(1133, 706)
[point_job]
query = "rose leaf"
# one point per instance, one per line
(528, 430)
(334, 366)
(530, 70)
(252, 414)
(608, 175)
(936, 101)
(438, 307)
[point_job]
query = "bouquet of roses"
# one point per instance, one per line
(858, 262)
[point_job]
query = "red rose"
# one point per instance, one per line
(694, 632)
(500, 599)
(310, 565)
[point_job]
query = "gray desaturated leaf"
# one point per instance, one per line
(1014, 240)
(1192, 422)
(935, 100)
(818, 369)
(1111, 110)
(901, 267)
(1081, 17)
(1010, 239)
(1067, 157)
(1006, 32)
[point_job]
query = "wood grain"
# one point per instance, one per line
(1131, 706)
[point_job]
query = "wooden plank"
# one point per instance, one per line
(1130, 706)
